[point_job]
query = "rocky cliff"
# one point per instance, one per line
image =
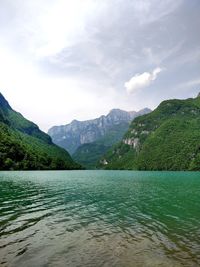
(77, 133)
(166, 139)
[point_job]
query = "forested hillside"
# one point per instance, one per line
(166, 139)
(24, 146)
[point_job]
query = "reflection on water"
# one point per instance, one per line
(99, 218)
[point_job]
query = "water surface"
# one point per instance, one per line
(99, 218)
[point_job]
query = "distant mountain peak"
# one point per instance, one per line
(77, 133)
(116, 110)
(3, 102)
(146, 109)
(165, 139)
(75, 122)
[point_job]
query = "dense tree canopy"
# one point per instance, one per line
(24, 147)
(166, 139)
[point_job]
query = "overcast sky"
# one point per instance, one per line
(76, 59)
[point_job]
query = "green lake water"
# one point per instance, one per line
(99, 218)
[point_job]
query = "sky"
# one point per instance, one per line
(77, 59)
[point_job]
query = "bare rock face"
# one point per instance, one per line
(133, 142)
(77, 133)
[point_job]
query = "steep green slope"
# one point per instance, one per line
(71, 136)
(166, 139)
(24, 146)
(89, 154)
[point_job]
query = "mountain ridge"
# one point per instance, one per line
(24, 146)
(168, 138)
(76, 133)
(3, 102)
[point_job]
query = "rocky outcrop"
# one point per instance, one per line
(133, 142)
(77, 133)
(166, 139)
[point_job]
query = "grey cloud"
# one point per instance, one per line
(122, 38)
(128, 38)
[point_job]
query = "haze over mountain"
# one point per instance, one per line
(68, 57)
(168, 138)
(77, 133)
(24, 146)
(65, 63)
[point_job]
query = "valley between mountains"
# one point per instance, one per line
(167, 138)
(87, 141)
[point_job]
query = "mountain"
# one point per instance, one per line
(88, 140)
(89, 154)
(24, 146)
(76, 133)
(168, 138)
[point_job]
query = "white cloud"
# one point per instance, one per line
(62, 24)
(140, 81)
(46, 27)
(50, 100)
(58, 58)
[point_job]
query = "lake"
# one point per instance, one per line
(99, 218)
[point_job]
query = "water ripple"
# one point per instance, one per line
(89, 218)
